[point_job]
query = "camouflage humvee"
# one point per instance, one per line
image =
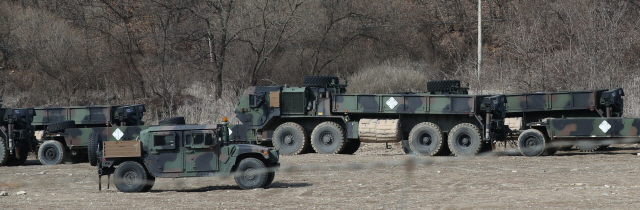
(66, 131)
(321, 117)
(184, 151)
(584, 130)
(16, 135)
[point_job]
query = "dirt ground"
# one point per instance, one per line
(373, 178)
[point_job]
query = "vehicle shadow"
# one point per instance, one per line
(274, 185)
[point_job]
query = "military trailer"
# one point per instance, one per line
(66, 131)
(533, 107)
(16, 135)
(321, 117)
(184, 151)
(593, 130)
(536, 107)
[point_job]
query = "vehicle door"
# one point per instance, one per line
(201, 148)
(165, 154)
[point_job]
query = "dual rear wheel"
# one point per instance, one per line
(326, 138)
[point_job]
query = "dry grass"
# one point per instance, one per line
(391, 77)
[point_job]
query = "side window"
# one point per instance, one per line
(164, 140)
(255, 100)
(201, 139)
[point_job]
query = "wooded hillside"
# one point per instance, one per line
(193, 57)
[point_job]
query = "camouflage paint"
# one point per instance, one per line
(78, 138)
(90, 116)
(182, 159)
(613, 127)
(309, 106)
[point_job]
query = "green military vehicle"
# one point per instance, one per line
(66, 131)
(583, 130)
(184, 151)
(537, 107)
(321, 117)
(16, 135)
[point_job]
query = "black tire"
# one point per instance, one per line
(320, 81)
(270, 177)
(4, 154)
(93, 147)
(531, 143)
(290, 139)
(52, 152)
(130, 176)
(60, 126)
(172, 121)
(587, 146)
(442, 85)
(406, 148)
(251, 173)
(465, 140)
(426, 139)
(352, 147)
(328, 138)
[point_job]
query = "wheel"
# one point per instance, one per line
(290, 139)
(587, 146)
(93, 147)
(442, 85)
(4, 154)
(19, 156)
(60, 126)
(352, 146)
(406, 148)
(425, 139)
(172, 121)
(251, 174)
(270, 177)
(320, 81)
(465, 140)
(531, 143)
(51, 153)
(328, 138)
(130, 176)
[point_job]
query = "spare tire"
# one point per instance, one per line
(320, 81)
(442, 85)
(60, 126)
(172, 121)
(92, 149)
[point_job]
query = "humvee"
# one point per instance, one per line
(172, 151)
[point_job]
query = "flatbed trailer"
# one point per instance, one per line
(595, 130)
(64, 132)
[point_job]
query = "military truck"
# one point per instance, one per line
(66, 131)
(184, 151)
(592, 130)
(16, 135)
(321, 117)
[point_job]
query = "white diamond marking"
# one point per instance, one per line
(118, 134)
(604, 126)
(392, 103)
(230, 132)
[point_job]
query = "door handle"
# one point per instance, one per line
(190, 151)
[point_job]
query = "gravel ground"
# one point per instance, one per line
(373, 178)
